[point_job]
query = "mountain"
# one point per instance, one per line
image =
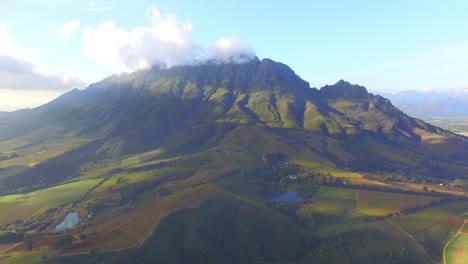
(187, 109)
(188, 159)
(427, 105)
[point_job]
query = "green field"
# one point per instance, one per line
(459, 208)
(336, 193)
(382, 203)
(432, 228)
(457, 250)
(333, 200)
(36, 154)
(131, 161)
(425, 220)
(23, 206)
(31, 257)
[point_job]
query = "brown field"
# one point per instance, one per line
(141, 224)
(201, 177)
(114, 240)
(191, 196)
(8, 206)
(22, 212)
(131, 227)
(43, 242)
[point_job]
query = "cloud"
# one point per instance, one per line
(66, 31)
(98, 6)
(8, 48)
(166, 41)
(231, 49)
(17, 71)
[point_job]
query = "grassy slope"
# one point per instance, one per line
(457, 251)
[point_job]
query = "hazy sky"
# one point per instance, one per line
(49, 46)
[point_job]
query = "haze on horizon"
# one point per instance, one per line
(384, 46)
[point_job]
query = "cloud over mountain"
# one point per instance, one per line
(165, 41)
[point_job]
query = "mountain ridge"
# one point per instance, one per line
(186, 109)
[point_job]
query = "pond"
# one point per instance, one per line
(68, 222)
(288, 197)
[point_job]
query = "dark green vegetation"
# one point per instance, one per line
(188, 159)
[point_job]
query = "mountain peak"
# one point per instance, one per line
(344, 89)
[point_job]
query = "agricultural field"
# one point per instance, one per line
(431, 228)
(457, 250)
(131, 227)
(381, 204)
(333, 200)
(309, 159)
(25, 257)
(423, 233)
(123, 222)
(459, 208)
(34, 155)
(371, 203)
(131, 161)
(24, 206)
(246, 161)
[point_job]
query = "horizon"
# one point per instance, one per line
(383, 47)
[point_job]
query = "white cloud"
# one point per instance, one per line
(98, 6)
(18, 72)
(231, 49)
(166, 41)
(66, 31)
(8, 48)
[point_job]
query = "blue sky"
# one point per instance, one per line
(51, 45)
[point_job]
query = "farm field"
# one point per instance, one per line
(40, 153)
(371, 203)
(457, 250)
(131, 227)
(127, 223)
(382, 203)
(432, 228)
(25, 257)
(23, 206)
(333, 200)
(131, 161)
(427, 219)
(424, 233)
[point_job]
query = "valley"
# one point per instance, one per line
(457, 125)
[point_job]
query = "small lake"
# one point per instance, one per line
(288, 197)
(68, 222)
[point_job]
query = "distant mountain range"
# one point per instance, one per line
(427, 105)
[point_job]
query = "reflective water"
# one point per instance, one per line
(68, 222)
